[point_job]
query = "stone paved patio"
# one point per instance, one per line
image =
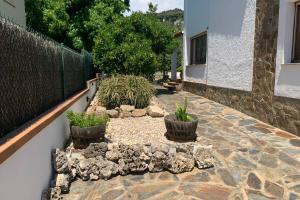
(255, 161)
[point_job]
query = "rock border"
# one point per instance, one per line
(106, 160)
(155, 109)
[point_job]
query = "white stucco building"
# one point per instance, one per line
(14, 9)
(246, 54)
(229, 28)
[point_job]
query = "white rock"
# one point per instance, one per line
(112, 113)
(127, 108)
(125, 114)
(203, 156)
(155, 111)
(180, 162)
(95, 102)
(63, 182)
(91, 110)
(139, 113)
(52, 194)
(154, 102)
(100, 110)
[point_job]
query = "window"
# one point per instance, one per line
(198, 49)
(296, 48)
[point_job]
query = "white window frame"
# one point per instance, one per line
(191, 50)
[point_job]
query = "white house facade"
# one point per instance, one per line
(14, 10)
(229, 26)
(287, 68)
(246, 54)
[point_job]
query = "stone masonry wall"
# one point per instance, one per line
(261, 102)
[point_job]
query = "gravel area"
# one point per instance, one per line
(142, 130)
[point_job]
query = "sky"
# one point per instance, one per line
(142, 5)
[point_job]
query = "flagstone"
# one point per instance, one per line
(293, 196)
(274, 189)
(199, 177)
(253, 181)
(295, 142)
(253, 160)
(227, 177)
(268, 160)
(206, 191)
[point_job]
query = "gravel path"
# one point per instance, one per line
(142, 130)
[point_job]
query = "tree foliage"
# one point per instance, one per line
(138, 44)
(69, 21)
(173, 17)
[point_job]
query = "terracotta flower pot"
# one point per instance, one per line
(82, 137)
(179, 130)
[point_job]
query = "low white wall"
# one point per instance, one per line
(287, 81)
(230, 26)
(28, 171)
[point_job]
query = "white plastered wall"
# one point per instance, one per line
(287, 81)
(231, 29)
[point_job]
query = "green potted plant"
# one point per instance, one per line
(86, 129)
(181, 126)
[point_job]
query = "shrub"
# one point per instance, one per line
(126, 90)
(181, 112)
(138, 44)
(84, 121)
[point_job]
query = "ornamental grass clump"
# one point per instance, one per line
(125, 90)
(83, 120)
(181, 112)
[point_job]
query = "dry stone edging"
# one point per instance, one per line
(106, 160)
(112, 113)
(139, 113)
(155, 109)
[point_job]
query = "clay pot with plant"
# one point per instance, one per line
(86, 129)
(181, 126)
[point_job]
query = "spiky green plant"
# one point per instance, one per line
(125, 90)
(84, 121)
(181, 112)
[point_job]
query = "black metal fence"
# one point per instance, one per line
(36, 73)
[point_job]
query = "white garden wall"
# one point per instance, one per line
(25, 174)
(231, 28)
(287, 82)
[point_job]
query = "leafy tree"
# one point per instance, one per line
(152, 8)
(173, 17)
(67, 21)
(138, 44)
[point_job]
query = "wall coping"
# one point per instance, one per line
(10, 146)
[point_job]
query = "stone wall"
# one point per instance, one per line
(261, 102)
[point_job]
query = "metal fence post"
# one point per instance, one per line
(62, 67)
